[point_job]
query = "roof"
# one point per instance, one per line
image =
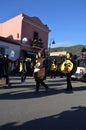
(8, 40)
(36, 21)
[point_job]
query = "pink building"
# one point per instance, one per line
(23, 26)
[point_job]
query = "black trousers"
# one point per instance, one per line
(53, 73)
(38, 82)
(7, 79)
(23, 76)
(69, 85)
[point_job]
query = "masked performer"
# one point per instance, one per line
(40, 71)
(68, 67)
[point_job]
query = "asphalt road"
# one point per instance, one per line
(22, 109)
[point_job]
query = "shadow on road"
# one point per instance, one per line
(25, 94)
(22, 94)
(27, 90)
(73, 119)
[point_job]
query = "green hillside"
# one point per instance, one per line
(76, 50)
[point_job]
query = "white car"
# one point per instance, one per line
(83, 78)
(81, 69)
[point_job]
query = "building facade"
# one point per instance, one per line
(9, 47)
(23, 26)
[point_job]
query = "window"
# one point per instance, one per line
(17, 35)
(35, 35)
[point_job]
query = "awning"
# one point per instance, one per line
(31, 53)
(3, 46)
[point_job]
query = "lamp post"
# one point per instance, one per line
(53, 42)
(24, 42)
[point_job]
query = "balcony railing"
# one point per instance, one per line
(36, 43)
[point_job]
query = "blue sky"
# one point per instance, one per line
(65, 18)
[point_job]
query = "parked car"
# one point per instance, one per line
(81, 69)
(83, 78)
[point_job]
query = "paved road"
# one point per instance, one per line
(22, 109)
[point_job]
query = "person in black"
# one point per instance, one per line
(5, 61)
(22, 69)
(69, 85)
(53, 69)
(68, 75)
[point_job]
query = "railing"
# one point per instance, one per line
(37, 43)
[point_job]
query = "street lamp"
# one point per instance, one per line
(24, 44)
(53, 42)
(24, 40)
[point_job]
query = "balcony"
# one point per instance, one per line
(36, 43)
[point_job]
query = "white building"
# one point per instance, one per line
(61, 53)
(9, 47)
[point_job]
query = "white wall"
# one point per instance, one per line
(9, 48)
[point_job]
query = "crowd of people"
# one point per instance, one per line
(39, 69)
(4, 68)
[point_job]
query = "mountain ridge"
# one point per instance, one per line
(75, 50)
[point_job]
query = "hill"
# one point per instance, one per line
(76, 50)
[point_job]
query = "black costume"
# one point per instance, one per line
(68, 75)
